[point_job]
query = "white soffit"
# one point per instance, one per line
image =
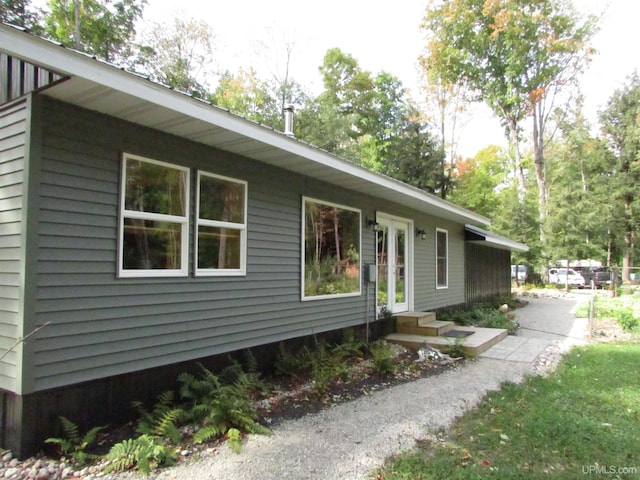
(104, 88)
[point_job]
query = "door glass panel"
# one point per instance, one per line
(383, 264)
(400, 271)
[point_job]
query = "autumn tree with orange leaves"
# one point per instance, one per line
(516, 56)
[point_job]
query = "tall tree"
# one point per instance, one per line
(571, 218)
(515, 54)
(382, 123)
(447, 102)
(337, 117)
(579, 176)
(480, 179)
(415, 155)
(180, 54)
(100, 27)
(246, 94)
(369, 120)
(278, 57)
(621, 124)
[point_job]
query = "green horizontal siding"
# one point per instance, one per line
(103, 326)
(12, 164)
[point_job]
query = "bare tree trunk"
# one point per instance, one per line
(443, 139)
(76, 32)
(284, 88)
(514, 144)
(628, 240)
(538, 149)
(336, 234)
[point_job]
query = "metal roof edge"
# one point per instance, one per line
(56, 57)
(498, 241)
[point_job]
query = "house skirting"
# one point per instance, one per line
(28, 420)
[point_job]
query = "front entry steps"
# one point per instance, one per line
(415, 329)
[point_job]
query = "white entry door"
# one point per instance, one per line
(394, 264)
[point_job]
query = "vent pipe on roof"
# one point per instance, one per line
(288, 120)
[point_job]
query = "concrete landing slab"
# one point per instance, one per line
(473, 345)
(517, 349)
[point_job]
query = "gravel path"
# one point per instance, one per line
(350, 440)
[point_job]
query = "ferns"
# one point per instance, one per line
(163, 421)
(207, 433)
(75, 444)
(221, 405)
(144, 452)
(234, 438)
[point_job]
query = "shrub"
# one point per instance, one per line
(328, 365)
(290, 365)
(382, 356)
(455, 350)
(487, 317)
(322, 365)
(468, 317)
(626, 319)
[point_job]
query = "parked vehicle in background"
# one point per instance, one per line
(598, 277)
(562, 276)
(522, 272)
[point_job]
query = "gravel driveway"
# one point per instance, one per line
(350, 440)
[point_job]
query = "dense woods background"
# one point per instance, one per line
(564, 187)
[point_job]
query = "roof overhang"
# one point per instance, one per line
(478, 235)
(98, 86)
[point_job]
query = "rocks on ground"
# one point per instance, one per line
(42, 468)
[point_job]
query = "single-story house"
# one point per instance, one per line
(141, 228)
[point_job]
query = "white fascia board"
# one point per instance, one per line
(67, 62)
(331, 161)
(64, 61)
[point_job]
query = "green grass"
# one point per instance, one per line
(583, 417)
(625, 309)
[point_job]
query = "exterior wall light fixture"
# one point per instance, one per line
(373, 225)
(421, 233)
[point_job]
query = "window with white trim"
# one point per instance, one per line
(221, 225)
(442, 258)
(154, 221)
(331, 250)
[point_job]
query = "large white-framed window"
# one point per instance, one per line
(442, 258)
(331, 242)
(154, 218)
(221, 225)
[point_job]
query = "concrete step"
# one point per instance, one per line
(414, 318)
(479, 341)
(421, 323)
(433, 329)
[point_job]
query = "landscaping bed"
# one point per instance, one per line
(323, 377)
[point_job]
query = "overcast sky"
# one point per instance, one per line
(385, 36)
